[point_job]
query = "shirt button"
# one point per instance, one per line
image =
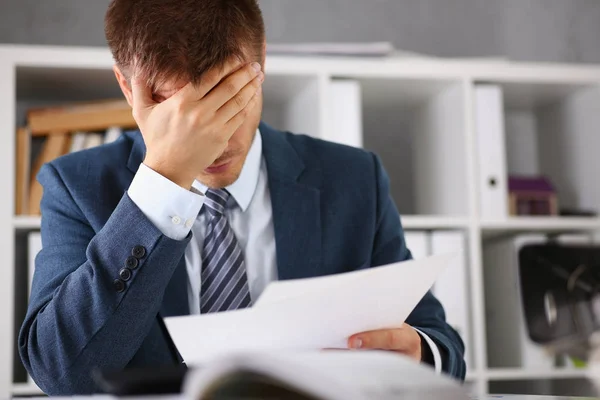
(125, 274)
(189, 223)
(119, 285)
(176, 220)
(138, 251)
(132, 262)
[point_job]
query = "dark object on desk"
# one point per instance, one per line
(143, 381)
(531, 196)
(560, 291)
(573, 212)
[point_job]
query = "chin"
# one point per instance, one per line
(222, 179)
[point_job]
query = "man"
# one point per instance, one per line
(204, 207)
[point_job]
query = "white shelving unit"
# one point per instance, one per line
(418, 115)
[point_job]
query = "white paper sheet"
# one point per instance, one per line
(310, 314)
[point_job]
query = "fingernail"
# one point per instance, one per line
(261, 76)
(357, 343)
(256, 66)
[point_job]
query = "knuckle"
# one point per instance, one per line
(239, 101)
(230, 87)
(245, 112)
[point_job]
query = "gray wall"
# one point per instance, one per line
(541, 30)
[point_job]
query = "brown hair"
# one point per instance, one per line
(182, 39)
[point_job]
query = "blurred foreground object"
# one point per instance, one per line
(328, 375)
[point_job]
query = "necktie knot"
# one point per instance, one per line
(216, 199)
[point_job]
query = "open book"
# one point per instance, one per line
(324, 375)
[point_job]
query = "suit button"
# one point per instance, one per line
(138, 251)
(119, 285)
(132, 262)
(125, 274)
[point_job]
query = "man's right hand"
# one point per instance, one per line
(187, 132)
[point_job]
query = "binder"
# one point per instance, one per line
(34, 245)
(451, 287)
(491, 146)
(510, 345)
(346, 113)
(418, 243)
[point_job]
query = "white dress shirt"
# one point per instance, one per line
(176, 211)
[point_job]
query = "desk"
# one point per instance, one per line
(529, 397)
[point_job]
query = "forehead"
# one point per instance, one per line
(169, 87)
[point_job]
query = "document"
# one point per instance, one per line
(310, 314)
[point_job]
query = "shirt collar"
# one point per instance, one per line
(242, 190)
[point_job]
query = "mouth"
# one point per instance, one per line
(218, 166)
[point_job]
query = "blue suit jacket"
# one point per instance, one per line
(332, 213)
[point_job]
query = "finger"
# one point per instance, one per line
(142, 96)
(240, 100)
(230, 87)
(237, 121)
(209, 80)
(385, 339)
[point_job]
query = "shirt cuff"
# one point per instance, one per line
(437, 356)
(171, 208)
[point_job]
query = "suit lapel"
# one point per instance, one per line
(175, 301)
(295, 199)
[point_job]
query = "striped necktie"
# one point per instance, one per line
(224, 281)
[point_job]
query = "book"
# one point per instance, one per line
(346, 113)
(34, 246)
(418, 243)
(77, 142)
(95, 116)
(112, 134)
(452, 286)
(327, 375)
(22, 179)
(55, 146)
(93, 140)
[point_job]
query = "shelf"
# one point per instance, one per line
(542, 224)
(408, 222)
(420, 222)
(511, 374)
(26, 389)
(27, 222)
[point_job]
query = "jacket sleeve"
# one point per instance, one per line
(428, 316)
(80, 317)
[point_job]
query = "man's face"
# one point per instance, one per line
(227, 168)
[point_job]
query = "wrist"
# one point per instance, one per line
(171, 173)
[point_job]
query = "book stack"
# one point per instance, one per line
(59, 131)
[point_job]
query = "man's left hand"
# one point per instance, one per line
(403, 340)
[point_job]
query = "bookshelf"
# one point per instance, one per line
(418, 114)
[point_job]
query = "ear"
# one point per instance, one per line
(124, 84)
